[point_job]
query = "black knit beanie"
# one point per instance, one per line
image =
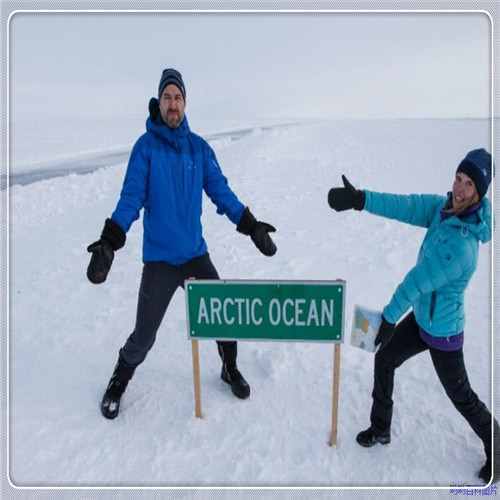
(477, 165)
(171, 76)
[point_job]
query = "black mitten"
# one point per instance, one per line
(346, 198)
(258, 232)
(103, 251)
(385, 333)
(100, 262)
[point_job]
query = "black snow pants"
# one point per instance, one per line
(158, 285)
(450, 368)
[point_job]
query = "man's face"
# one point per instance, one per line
(464, 192)
(172, 106)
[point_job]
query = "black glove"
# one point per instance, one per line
(154, 108)
(346, 198)
(258, 231)
(385, 333)
(103, 251)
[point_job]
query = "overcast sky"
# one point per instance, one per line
(256, 65)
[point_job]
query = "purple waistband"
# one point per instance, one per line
(451, 343)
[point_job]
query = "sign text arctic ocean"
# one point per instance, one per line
(285, 310)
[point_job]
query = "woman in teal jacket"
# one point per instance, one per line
(434, 289)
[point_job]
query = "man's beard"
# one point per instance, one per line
(174, 119)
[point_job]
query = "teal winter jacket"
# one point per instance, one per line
(447, 258)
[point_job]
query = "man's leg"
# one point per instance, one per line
(451, 371)
(158, 284)
(203, 268)
(405, 343)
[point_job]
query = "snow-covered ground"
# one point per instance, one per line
(41, 141)
(65, 333)
(84, 162)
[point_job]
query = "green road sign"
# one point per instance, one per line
(265, 310)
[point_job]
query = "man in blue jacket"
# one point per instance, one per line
(168, 170)
(434, 288)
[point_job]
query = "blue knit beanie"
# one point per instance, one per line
(477, 165)
(171, 76)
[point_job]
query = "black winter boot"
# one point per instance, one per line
(487, 472)
(370, 437)
(232, 376)
(230, 373)
(110, 404)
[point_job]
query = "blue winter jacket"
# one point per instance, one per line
(446, 260)
(167, 172)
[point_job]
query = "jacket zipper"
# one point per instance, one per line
(433, 305)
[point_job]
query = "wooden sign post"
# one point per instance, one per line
(286, 311)
(196, 378)
(335, 394)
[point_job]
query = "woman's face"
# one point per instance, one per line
(464, 192)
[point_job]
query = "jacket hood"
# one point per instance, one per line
(170, 135)
(477, 223)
